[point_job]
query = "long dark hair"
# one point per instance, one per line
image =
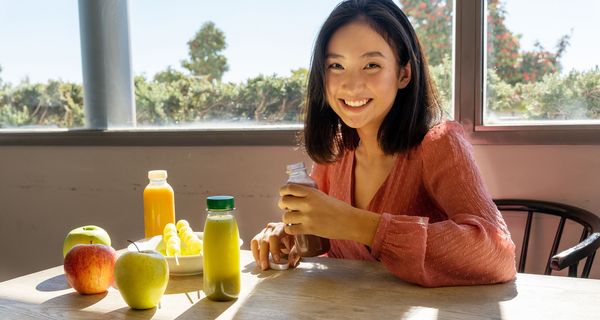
(416, 108)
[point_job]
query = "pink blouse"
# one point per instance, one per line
(438, 226)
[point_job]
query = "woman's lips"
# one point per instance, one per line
(355, 104)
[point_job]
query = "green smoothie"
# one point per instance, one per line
(221, 257)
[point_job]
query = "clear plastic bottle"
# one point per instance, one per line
(159, 203)
(221, 250)
(308, 245)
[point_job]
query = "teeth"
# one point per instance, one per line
(356, 103)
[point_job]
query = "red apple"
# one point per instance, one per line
(90, 268)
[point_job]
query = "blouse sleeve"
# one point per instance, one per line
(472, 247)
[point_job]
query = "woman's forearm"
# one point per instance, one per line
(361, 226)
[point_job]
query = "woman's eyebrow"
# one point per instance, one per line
(333, 56)
(370, 54)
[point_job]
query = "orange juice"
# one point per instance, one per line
(221, 250)
(159, 203)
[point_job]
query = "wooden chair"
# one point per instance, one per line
(588, 243)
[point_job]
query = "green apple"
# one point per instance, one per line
(85, 235)
(142, 278)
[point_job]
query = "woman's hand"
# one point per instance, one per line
(311, 211)
(273, 239)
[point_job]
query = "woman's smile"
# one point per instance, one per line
(355, 105)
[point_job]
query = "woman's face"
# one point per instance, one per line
(362, 76)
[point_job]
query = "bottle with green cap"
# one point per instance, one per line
(221, 250)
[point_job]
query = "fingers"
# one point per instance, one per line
(292, 217)
(291, 203)
(293, 257)
(254, 246)
(264, 253)
(296, 190)
(269, 240)
(295, 229)
(288, 243)
(274, 240)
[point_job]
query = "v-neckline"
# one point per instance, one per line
(379, 189)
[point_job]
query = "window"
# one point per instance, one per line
(212, 72)
(223, 64)
(542, 68)
(40, 65)
(433, 22)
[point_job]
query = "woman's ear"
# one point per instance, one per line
(404, 76)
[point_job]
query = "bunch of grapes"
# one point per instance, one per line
(181, 240)
(172, 241)
(191, 243)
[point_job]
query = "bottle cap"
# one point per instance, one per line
(157, 174)
(220, 203)
(283, 264)
(295, 166)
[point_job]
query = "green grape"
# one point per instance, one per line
(168, 235)
(187, 236)
(173, 247)
(169, 227)
(182, 223)
(194, 246)
(184, 229)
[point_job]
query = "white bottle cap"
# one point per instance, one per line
(283, 264)
(157, 174)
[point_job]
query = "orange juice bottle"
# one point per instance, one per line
(159, 203)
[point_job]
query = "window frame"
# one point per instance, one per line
(468, 100)
(469, 59)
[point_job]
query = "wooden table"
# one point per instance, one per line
(320, 288)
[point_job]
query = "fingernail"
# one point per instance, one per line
(264, 265)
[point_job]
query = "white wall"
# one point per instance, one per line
(47, 191)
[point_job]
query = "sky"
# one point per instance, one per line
(39, 40)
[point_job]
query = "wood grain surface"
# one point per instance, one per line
(320, 288)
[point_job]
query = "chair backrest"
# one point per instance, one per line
(585, 249)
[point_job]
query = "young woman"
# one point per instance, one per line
(396, 184)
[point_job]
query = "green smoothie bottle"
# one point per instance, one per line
(221, 250)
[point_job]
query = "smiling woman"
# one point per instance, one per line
(395, 183)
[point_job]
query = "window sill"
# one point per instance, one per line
(153, 137)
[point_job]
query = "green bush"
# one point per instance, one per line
(55, 103)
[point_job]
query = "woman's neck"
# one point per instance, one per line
(369, 149)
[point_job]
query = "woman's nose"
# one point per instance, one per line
(352, 81)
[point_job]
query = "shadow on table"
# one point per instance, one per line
(184, 284)
(74, 300)
(206, 309)
(128, 313)
(55, 283)
(333, 291)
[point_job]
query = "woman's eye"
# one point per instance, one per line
(372, 66)
(335, 66)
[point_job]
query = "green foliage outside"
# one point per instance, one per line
(205, 53)
(525, 85)
(53, 104)
(172, 100)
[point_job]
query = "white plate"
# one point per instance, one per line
(188, 265)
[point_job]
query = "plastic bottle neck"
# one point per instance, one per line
(225, 214)
(158, 181)
(298, 173)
